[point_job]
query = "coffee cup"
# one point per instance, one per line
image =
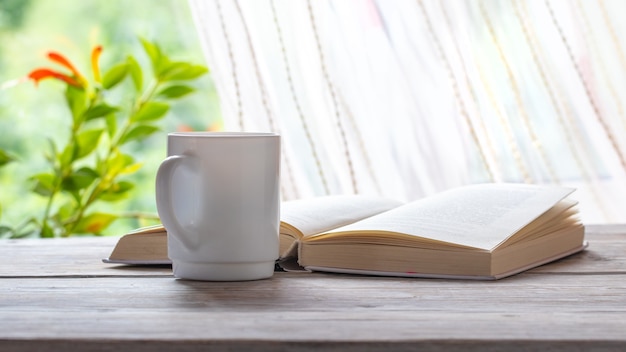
(217, 194)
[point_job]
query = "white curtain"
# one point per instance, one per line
(406, 98)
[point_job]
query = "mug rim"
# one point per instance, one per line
(222, 134)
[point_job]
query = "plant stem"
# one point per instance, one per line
(106, 179)
(60, 172)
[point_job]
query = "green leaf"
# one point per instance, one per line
(68, 155)
(44, 184)
(150, 111)
(51, 156)
(46, 231)
(131, 169)
(95, 223)
(5, 231)
(99, 110)
(178, 71)
(111, 125)
(79, 179)
(154, 53)
(29, 228)
(5, 157)
(76, 197)
(176, 91)
(138, 133)
(115, 75)
(77, 101)
(135, 73)
(118, 162)
(117, 191)
(66, 211)
(87, 142)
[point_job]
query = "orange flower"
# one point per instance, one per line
(60, 59)
(95, 56)
(43, 73)
(76, 79)
(216, 127)
(184, 128)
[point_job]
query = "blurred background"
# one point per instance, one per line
(30, 115)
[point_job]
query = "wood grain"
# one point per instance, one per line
(57, 295)
(80, 256)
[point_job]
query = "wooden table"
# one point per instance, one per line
(57, 295)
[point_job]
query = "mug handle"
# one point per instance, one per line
(164, 200)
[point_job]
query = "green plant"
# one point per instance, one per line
(91, 167)
(5, 158)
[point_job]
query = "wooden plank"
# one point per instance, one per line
(605, 254)
(337, 292)
(108, 345)
(78, 256)
(317, 308)
(57, 295)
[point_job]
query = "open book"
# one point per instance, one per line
(485, 231)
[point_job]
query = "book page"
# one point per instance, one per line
(480, 216)
(315, 215)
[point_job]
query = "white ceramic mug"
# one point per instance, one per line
(217, 195)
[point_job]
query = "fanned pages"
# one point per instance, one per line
(480, 231)
(301, 218)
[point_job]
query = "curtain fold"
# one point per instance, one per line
(406, 98)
